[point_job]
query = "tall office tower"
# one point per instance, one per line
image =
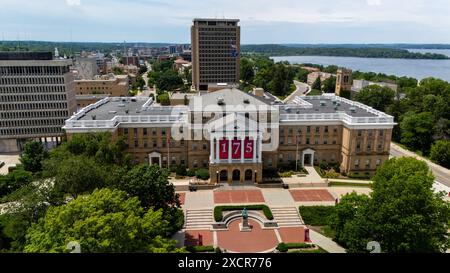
(216, 45)
(36, 97)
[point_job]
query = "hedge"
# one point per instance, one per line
(197, 249)
(316, 215)
(202, 174)
(284, 247)
(219, 209)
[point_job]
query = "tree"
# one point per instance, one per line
(376, 96)
(317, 85)
(329, 85)
(403, 213)
(14, 181)
(417, 130)
(77, 175)
(151, 185)
(407, 216)
(440, 153)
(107, 221)
(303, 75)
(32, 156)
(163, 98)
(247, 72)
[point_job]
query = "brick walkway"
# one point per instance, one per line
(292, 234)
(238, 196)
(182, 197)
(312, 195)
(258, 240)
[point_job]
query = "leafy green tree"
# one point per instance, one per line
(376, 96)
(317, 85)
(247, 72)
(77, 175)
(303, 75)
(163, 98)
(417, 130)
(329, 85)
(32, 156)
(14, 181)
(403, 213)
(151, 185)
(407, 216)
(440, 153)
(107, 221)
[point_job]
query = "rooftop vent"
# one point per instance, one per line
(121, 105)
(112, 112)
(246, 101)
(338, 103)
(323, 103)
(334, 102)
(220, 101)
(353, 109)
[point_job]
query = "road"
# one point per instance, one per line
(147, 90)
(302, 90)
(442, 174)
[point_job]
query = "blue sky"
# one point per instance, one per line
(262, 21)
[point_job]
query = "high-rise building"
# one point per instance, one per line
(36, 97)
(215, 53)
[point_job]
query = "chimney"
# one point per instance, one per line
(259, 92)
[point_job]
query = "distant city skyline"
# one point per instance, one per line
(262, 21)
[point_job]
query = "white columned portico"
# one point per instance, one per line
(155, 155)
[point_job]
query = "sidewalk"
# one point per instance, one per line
(325, 242)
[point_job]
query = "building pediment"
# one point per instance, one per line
(233, 122)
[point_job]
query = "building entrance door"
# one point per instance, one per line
(223, 176)
(308, 160)
(236, 176)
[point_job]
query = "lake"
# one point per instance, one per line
(418, 69)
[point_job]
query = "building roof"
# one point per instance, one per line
(228, 97)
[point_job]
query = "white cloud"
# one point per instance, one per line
(73, 3)
(374, 2)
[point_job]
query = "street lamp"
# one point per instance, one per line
(217, 177)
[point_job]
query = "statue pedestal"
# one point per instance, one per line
(244, 226)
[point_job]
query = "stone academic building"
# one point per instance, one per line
(237, 135)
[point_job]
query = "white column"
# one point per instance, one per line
(260, 150)
(217, 150)
(211, 150)
(230, 149)
(242, 150)
(255, 143)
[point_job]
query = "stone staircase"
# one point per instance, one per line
(287, 217)
(199, 219)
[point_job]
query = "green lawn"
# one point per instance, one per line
(316, 215)
(315, 92)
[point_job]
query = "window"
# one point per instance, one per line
(317, 130)
(326, 129)
(325, 141)
(381, 133)
(154, 132)
(125, 131)
(359, 133)
(282, 140)
(269, 162)
(308, 129)
(368, 163)
(357, 163)
(289, 140)
(145, 144)
(369, 146)
(205, 146)
(370, 133)
(335, 130)
(307, 141)
(299, 131)
(378, 162)
(145, 131)
(163, 131)
(136, 144)
(194, 147)
(195, 164)
(316, 141)
(358, 146)
(380, 145)
(155, 144)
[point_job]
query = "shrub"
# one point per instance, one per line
(316, 215)
(180, 170)
(270, 173)
(202, 174)
(198, 249)
(359, 176)
(163, 99)
(331, 174)
(190, 173)
(282, 247)
(218, 250)
(219, 209)
(287, 174)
